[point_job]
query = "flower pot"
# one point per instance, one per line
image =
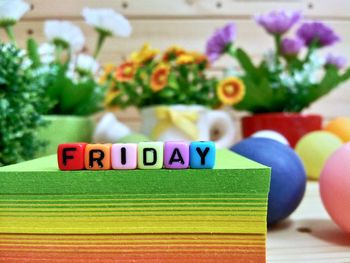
(62, 129)
(188, 123)
(292, 125)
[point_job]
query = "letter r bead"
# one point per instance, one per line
(98, 157)
(202, 155)
(71, 156)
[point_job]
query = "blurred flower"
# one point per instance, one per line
(278, 22)
(307, 75)
(110, 96)
(46, 53)
(219, 41)
(199, 58)
(337, 61)
(82, 65)
(159, 77)
(230, 91)
(145, 54)
(64, 33)
(107, 70)
(71, 73)
(11, 11)
(317, 32)
(108, 21)
(291, 47)
(126, 71)
(86, 64)
(185, 59)
(173, 52)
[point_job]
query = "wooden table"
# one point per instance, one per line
(309, 235)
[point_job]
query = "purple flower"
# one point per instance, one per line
(218, 42)
(278, 22)
(317, 31)
(291, 47)
(337, 61)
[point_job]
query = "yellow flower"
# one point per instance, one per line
(230, 91)
(145, 54)
(199, 58)
(173, 52)
(126, 71)
(185, 59)
(159, 77)
(110, 96)
(107, 70)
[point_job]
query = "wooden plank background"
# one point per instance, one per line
(189, 23)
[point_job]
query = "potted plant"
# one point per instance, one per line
(175, 96)
(73, 87)
(22, 94)
(288, 79)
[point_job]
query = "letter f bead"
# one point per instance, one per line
(71, 156)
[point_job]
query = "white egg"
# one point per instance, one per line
(270, 134)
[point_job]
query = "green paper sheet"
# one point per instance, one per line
(35, 197)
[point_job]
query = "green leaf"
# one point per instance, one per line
(247, 64)
(345, 76)
(330, 80)
(74, 94)
(33, 53)
(55, 89)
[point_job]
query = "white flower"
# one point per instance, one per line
(108, 21)
(47, 53)
(287, 80)
(87, 63)
(80, 66)
(12, 10)
(71, 71)
(64, 32)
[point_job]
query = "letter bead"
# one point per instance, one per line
(150, 155)
(124, 156)
(176, 155)
(71, 156)
(202, 155)
(98, 157)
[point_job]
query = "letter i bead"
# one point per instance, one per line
(98, 157)
(150, 155)
(71, 156)
(176, 155)
(202, 155)
(124, 156)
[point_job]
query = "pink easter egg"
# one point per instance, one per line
(335, 187)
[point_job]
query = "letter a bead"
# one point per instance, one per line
(124, 156)
(202, 155)
(176, 155)
(98, 157)
(71, 156)
(150, 155)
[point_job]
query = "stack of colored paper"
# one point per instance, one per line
(130, 216)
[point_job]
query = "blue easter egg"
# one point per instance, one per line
(288, 177)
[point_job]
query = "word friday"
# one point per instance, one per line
(144, 155)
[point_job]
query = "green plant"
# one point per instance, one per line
(290, 77)
(22, 101)
(177, 76)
